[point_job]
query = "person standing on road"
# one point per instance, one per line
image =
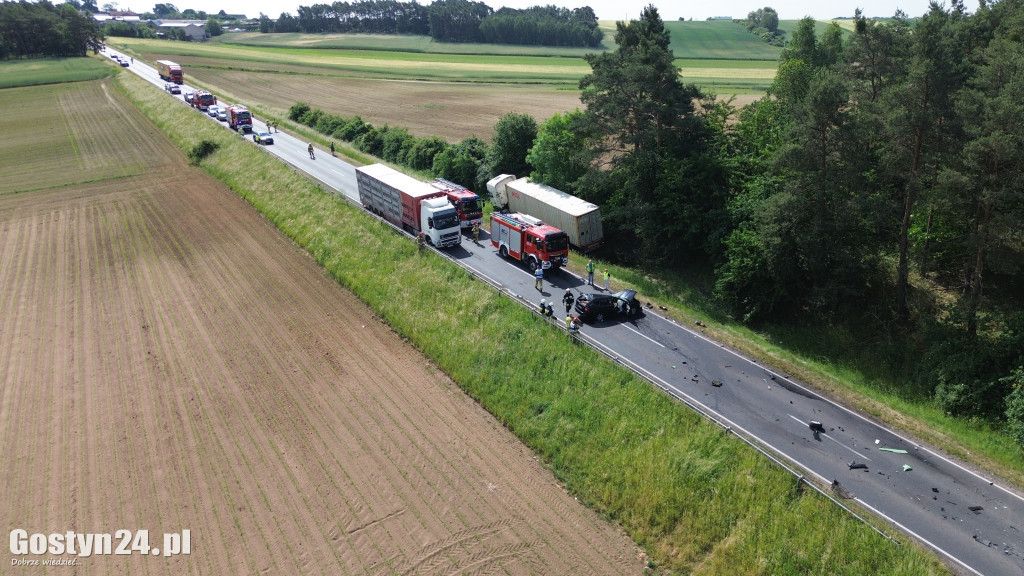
(332, 147)
(607, 277)
(476, 233)
(568, 300)
(590, 273)
(539, 276)
(311, 156)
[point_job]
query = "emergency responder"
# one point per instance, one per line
(568, 299)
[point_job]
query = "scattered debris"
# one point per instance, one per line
(877, 441)
(662, 307)
(985, 542)
(975, 509)
(716, 383)
(815, 426)
(857, 465)
(936, 490)
(701, 324)
(907, 468)
(894, 450)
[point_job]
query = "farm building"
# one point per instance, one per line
(195, 30)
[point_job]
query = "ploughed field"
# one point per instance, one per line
(169, 362)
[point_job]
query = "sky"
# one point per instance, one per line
(605, 9)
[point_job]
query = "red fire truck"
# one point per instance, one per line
(526, 238)
(465, 201)
(204, 100)
(239, 118)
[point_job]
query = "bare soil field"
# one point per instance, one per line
(170, 362)
(452, 110)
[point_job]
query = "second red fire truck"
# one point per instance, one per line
(526, 238)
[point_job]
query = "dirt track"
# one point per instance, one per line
(168, 361)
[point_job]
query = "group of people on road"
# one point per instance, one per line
(572, 323)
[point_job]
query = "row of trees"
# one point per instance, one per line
(470, 162)
(446, 21)
(40, 29)
(883, 172)
(879, 187)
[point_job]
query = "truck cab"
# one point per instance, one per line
(465, 201)
(439, 222)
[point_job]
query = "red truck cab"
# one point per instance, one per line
(530, 240)
(466, 202)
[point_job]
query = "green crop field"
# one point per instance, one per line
(51, 71)
(399, 43)
(299, 55)
(718, 40)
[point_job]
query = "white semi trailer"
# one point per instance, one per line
(580, 219)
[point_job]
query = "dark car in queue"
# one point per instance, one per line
(601, 307)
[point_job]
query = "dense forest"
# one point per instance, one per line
(446, 21)
(42, 30)
(877, 191)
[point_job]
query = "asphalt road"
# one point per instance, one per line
(973, 522)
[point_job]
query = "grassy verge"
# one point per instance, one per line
(699, 500)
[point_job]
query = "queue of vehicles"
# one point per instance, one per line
(438, 211)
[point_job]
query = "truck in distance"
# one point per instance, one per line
(580, 219)
(465, 201)
(170, 71)
(239, 117)
(413, 206)
(530, 240)
(203, 100)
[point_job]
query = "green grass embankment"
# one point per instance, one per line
(699, 500)
(36, 71)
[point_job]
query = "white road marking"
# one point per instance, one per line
(637, 332)
(833, 439)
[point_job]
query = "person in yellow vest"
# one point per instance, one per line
(607, 277)
(590, 273)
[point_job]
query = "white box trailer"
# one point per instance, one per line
(580, 219)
